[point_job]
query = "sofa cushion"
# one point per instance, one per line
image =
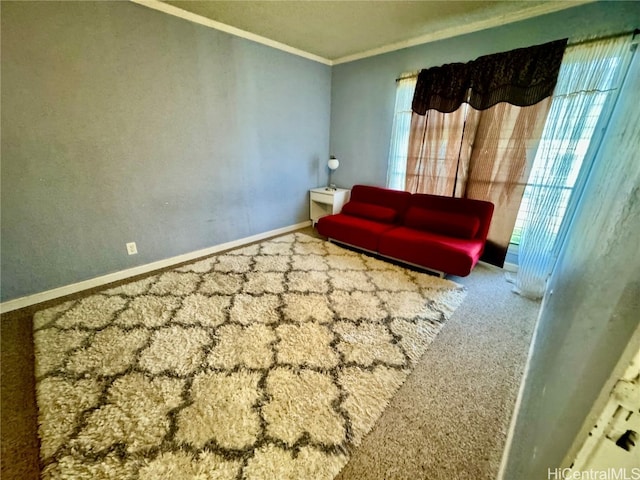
(456, 256)
(467, 206)
(356, 231)
(396, 199)
(369, 211)
(457, 225)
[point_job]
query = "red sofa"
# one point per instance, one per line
(443, 234)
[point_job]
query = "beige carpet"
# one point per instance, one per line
(270, 361)
(449, 420)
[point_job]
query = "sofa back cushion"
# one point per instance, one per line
(395, 199)
(370, 211)
(451, 224)
(480, 209)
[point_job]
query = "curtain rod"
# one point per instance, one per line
(405, 77)
(606, 37)
(634, 32)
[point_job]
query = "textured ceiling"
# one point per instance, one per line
(339, 30)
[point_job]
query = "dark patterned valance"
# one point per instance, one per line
(442, 88)
(520, 77)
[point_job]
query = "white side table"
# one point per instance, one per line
(326, 202)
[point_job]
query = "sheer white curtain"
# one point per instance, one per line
(589, 79)
(398, 150)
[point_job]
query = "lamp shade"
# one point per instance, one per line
(333, 163)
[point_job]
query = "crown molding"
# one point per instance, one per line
(207, 22)
(471, 27)
(524, 14)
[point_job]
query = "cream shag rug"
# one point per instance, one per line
(267, 362)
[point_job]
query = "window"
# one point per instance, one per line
(581, 105)
(569, 143)
(397, 169)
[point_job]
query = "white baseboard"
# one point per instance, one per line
(29, 300)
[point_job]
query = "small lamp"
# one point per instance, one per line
(333, 163)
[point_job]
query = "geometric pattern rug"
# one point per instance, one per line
(271, 361)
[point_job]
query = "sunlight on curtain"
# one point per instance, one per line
(500, 165)
(590, 76)
(473, 127)
(397, 168)
(436, 142)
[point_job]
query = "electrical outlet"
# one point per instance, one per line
(131, 248)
